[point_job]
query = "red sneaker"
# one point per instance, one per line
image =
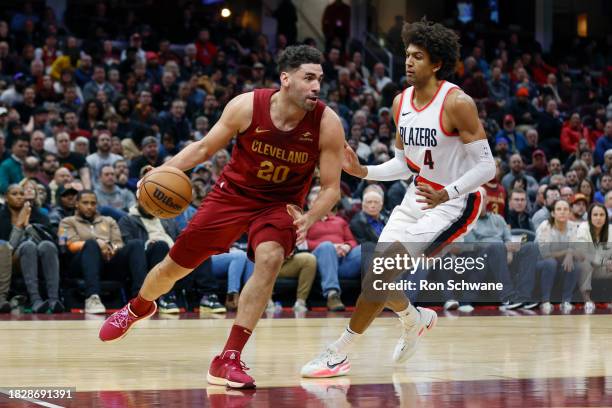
(227, 369)
(119, 323)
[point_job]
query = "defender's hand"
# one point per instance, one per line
(350, 163)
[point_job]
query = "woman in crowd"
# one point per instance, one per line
(555, 238)
(596, 252)
(587, 188)
(92, 113)
(219, 160)
(30, 193)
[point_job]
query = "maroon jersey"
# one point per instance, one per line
(269, 164)
(496, 196)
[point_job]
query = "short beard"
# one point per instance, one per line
(308, 108)
(88, 218)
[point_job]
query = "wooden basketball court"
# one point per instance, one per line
(476, 361)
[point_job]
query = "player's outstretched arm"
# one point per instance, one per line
(236, 117)
(394, 169)
(331, 144)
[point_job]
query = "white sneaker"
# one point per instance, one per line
(566, 307)
(451, 304)
(407, 344)
(509, 305)
(300, 306)
(328, 364)
(546, 307)
(466, 308)
(93, 304)
(589, 307)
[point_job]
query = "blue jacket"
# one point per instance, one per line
(517, 140)
(603, 143)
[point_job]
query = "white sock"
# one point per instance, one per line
(344, 341)
(408, 315)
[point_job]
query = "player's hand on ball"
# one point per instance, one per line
(350, 163)
(430, 196)
(301, 221)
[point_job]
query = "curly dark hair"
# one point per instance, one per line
(294, 56)
(440, 42)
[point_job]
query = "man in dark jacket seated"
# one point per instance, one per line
(66, 203)
(158, 236)
(517, 215)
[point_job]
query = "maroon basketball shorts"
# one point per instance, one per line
(223, 217)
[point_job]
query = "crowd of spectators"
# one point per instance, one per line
(81, 114)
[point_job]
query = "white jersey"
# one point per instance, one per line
(436, 154)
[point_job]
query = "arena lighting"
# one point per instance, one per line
(225, 12)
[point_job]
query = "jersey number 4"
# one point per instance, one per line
(427, 160)
(269, 172)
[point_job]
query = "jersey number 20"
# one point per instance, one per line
(269, 172)
(427, 160)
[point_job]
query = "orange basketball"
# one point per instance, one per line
(165, 192)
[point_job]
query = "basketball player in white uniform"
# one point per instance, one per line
(440, 141)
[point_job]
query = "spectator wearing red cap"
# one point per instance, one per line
(516, 139)
(521, 108)
(571, 134)
(579, 208)
(539, 165)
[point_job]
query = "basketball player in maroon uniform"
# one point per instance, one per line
(280, 137)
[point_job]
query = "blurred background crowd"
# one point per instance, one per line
(90, 96)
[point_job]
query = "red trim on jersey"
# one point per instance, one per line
(442, 111)
(462, 229)
(399, 109)
(413, 167)
(428, 103)
(436, 186)
(473, 216)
